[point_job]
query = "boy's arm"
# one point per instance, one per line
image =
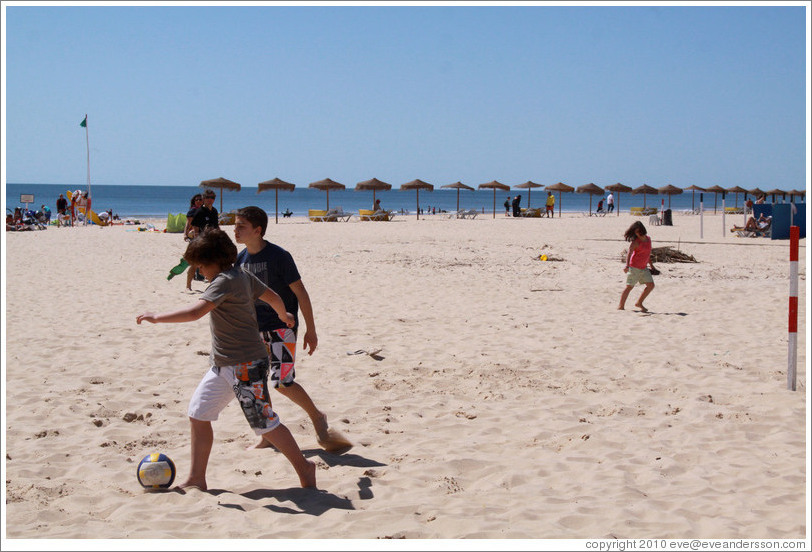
(273, 299)
(310, 339)
(189, 314)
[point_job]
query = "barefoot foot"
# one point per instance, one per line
(194, 484)
(642, 308)
(263, 444)
(334, 442)
(308, 478)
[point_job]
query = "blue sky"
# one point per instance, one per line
(636, 94)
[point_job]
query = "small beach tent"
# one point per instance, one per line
(373, 184)
(694, 189)
(223, 184)
(529, 185)
(275, 185)
(495, 185)
(417, 185)
(776, 192)
(560, 187)
(618, 188)
(716, 190)
(736, 190)
(327, 185)
(458, 186)
(669, 190)
(591, 189)
(645, 189)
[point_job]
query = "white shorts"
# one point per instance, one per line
(248, 382)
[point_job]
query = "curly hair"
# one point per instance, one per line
(213, 246)
(631, 233)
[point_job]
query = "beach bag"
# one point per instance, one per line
(175, 224)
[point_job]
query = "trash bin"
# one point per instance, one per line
(667, 218)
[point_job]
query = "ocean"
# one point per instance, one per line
(158, 201)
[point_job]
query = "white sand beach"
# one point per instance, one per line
(510, 398)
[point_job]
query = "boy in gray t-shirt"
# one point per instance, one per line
(238, 356)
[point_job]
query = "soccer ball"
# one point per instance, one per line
(156, 471)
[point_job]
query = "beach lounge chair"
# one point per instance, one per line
(369, 214)
(764, 232)
(337, 214)
(642, 212)
(467, 213)
(317, 215)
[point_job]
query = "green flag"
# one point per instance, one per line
(84, 122)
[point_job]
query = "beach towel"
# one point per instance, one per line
(178, 269)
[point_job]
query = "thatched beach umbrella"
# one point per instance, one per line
(327, 185)
(417, 185)
(716, 190)
(776, 192)
(757, 192)
(495, 186)
(591, 189)
(645, 189)
(373, 184)
(459, 186)
(796, 193)
(618, 188)
(736, 190)
(669, 190)
(529, 185)
(694, 189)
(560, 187)
(276, 185)
(223, 184)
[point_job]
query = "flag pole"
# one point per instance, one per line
(89, 195)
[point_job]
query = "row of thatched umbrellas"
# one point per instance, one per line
(377, 185)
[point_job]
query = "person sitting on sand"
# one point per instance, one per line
(638, 257)
(276, 269)
(239, 358)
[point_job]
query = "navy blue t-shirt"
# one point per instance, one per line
(275, 268)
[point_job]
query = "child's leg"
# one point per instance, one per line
(646, 291)
(281, 438)
(624, 296)
(202, 439)
(298, 395)
(190, 274)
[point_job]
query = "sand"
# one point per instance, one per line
(509, 398)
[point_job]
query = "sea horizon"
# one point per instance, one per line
(149, 200)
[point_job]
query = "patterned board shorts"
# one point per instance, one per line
(248, 382)
(281, 345)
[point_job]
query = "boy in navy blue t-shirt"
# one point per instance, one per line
(275, 267)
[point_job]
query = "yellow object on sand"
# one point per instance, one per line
(543, 257)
